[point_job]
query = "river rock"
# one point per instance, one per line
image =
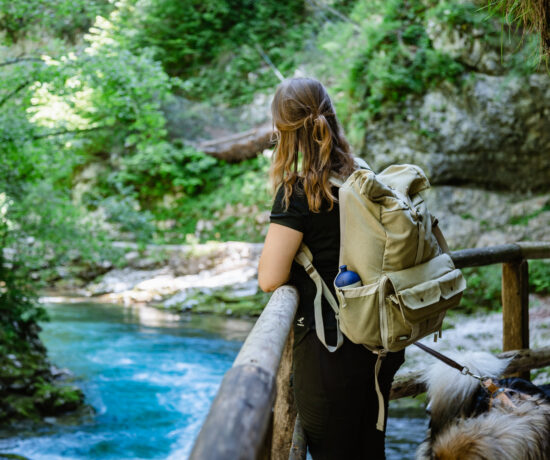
(187, 269)
(123, 279)
(30, 388)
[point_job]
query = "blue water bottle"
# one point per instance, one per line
(347, 278)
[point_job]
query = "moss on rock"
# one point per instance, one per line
(30, 387)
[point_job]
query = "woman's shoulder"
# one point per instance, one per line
(297, 199)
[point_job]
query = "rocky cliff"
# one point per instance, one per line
(484, 142)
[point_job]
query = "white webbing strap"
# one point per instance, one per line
(381, 406)
(305, 258)
(421, 238)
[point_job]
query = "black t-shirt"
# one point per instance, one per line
(322, 236)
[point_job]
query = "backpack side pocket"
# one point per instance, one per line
(359, 314)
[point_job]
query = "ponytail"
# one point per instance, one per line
(304, 117)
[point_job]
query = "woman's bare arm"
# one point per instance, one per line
(280, 247)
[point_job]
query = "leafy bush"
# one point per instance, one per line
(384, 55)
(484, 285)
(64, 18)
(228, 207)
(156, 169)
(539, 276)
(216, 46)
(484, 289)
(381, 59)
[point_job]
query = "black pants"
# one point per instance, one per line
(336, 398)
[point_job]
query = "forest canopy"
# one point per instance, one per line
(92, 150)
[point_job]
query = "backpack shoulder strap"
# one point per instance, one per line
(436, 231)
(359, 164)
(304, 257)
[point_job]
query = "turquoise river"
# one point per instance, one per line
(150, 378)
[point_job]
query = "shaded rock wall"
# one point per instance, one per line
(473, 217)
(493, 132)
(490, 129)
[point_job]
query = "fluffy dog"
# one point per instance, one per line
(467, 423)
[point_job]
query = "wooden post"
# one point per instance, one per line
(284, 411)
(515, 307)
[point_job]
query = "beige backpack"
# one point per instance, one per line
(386, 237)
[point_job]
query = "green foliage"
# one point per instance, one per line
(462, 15)
(126, 212)
(518, 54)
(228, 208)
(19, 311)
(484, 285)
(528, 16)
(215, 46)
(159, 168)
(385, 59)
(40, 229)
(483, 291)
(64, 18)
(539, 276)
(386, 56)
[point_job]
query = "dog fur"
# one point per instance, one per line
(457, 432)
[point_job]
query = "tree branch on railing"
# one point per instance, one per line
(69, 131)
(20, 59)
(14, 92)
(523, 360)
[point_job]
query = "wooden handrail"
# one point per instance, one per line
(504, 253)
(239, 417)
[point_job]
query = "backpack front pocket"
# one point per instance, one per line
(359, 314)
(431, 297)
(412, 309)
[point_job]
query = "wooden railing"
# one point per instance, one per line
(253, 415)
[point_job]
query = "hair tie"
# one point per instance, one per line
(309, 118)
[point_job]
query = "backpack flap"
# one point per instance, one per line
(430, 270)
(420, 296)
(451, 284)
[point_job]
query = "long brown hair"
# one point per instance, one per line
(306, 124)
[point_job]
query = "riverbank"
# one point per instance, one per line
(32, 388)
(216, 278)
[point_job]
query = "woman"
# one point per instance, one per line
(334, 392)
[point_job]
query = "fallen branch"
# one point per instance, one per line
(241, 146)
